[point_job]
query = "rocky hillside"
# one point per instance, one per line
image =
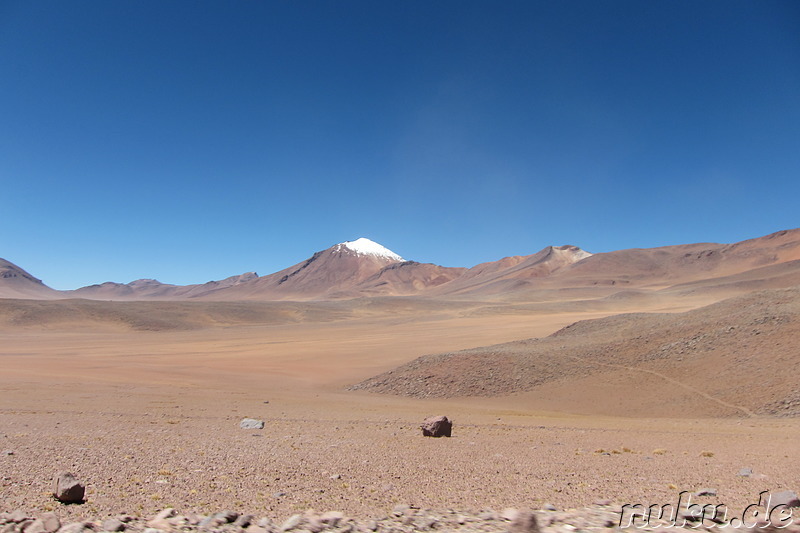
(714, 355)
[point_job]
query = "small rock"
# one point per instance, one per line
(161, 520)
(8, 452)
(34, 527)
(169, 512)
(437, 426)
(73, 527)
(746, 472)
(424, 523)
(787, 498)
(209, 522)
(549, 507)
(112, 524)
(50, 522)
(292, 522)
(524, 522)
(706, 492)
(603, 502)
(226, 517)
(331, 518)
(400, 510)
(251, 423)
(67, 489)
(509, 514)
(244, 520)
(266, 523)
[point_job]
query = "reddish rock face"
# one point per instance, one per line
(437, 426)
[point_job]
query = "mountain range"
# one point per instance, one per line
(363, 268)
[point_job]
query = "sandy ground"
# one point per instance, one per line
(151, 420)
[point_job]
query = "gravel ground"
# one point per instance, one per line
(142, 450)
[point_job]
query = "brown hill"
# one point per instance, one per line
(16, 283)
(407, 278)
(671, 265)
(731, 358)
(513, 273)
(151, 289)
(159, 315)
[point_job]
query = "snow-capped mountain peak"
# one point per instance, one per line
(364, 246)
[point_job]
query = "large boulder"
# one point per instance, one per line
(67, 489)
(437, 426)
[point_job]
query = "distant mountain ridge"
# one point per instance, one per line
(363, 268)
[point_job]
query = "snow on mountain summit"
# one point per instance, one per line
(364, 246)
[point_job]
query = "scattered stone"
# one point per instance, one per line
(509, 514)
(706, 492)
(336, 476)
(8, 452)
(266, 523)
(331, 518)
(292, 522)
(112, 524)
(35, 527)
(549, 507)
(251, 423)
(524, 522)
(161, 520)
(787, 498)
(244, 520)
(73, 527)
(67, 489)
(746, 472)
(400, 509)
(226, 517)
(49, 523)
(437, 426)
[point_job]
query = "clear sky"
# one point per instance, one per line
(193, 140)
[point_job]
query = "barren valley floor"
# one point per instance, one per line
(151, 420)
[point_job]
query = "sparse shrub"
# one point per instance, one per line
(659, 451)
(706, 454)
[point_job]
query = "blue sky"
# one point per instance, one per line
(190, 141)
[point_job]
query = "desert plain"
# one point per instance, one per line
(142, 400)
